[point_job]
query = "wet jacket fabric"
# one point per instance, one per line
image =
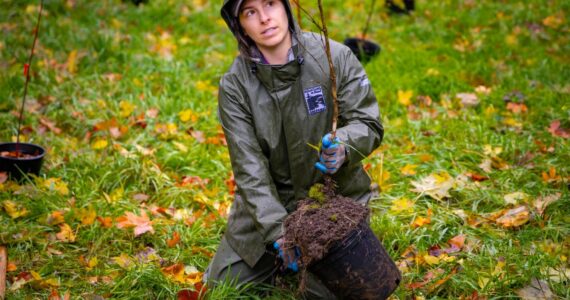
(271, 114)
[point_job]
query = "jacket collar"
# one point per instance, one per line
(277, 77)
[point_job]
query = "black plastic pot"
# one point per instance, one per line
(363, 49)
(409, 5)
(358, 267)
(18, 167)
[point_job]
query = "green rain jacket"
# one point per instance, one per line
(271, 114)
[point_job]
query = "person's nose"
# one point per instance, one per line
(263, 17)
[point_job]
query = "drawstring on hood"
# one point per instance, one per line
(246, 46)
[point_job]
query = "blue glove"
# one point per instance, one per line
(333, 155)
(288, 261)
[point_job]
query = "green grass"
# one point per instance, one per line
(444, 48)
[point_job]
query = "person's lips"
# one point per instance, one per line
(268, 30)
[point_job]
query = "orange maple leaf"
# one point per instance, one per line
(140, 223)
(175, 239)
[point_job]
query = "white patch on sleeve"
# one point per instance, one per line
(364, 81)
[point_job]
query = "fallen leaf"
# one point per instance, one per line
(55, 218)
(541, 203)
(409, 170)
(435, 185)
(188, 115)
(140, 223)
(11, 267)
(550, 176)
(468, 99)
(14, 210)
(66, 234)
(402, 205)
(72, 62)
(177, 273)
(86, 215)
(517, 108)
(420, 221)
(404, 97)
(3, 177)
(99, 144)
(477, 177)
(457, 241)
(556, 130)
(55, 184)
(514, 217)
(124, 261)
(106, 222)
(554, 21)
(174, 241)
(515, 198)
(126, 109)
(196, 294)
(50, 125)
(536, 290)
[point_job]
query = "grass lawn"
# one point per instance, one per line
(131, 203)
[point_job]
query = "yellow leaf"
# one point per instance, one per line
(92, 263)
(492, 151)
(72, 62)
(204, 86)
(483, 281)
(188, 115)
(124, 261)
(66, 234)
(404, 97)
(402, 205)
(409, 170)
(86, 215)
(554, 21)
(127, 108)
(180, 147)
(515, 198)
(55, 218)
(99, 144)
(115, 195)
(420, 221)
(56, 184)
(431, 260)
(14, 210)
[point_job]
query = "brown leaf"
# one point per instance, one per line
(514, 217)
(106, 222)
(517, 108)
(175, 239)
(140, 197)
(140, 223)
(198, 292)
(3, 177)
(50, 125)
(537, 290)
(556, 130)
(477, 177)
(542, 202)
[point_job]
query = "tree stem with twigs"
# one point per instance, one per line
(331, 68)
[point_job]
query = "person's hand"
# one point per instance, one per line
(288, 255)
(333, 155)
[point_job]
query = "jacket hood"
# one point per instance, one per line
(246, 45)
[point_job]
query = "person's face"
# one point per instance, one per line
(265, 22)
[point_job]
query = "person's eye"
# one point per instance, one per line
(248, 13)
(270, 3)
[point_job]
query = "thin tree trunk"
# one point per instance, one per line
(3, 266)
(331, 68)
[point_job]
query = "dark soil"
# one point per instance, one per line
(314, 227)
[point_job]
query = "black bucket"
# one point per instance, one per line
(358, 267)
(409, 5)
(16, 167)
(363, 49)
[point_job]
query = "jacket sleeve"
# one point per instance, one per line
(249, 164)
(359, 116)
